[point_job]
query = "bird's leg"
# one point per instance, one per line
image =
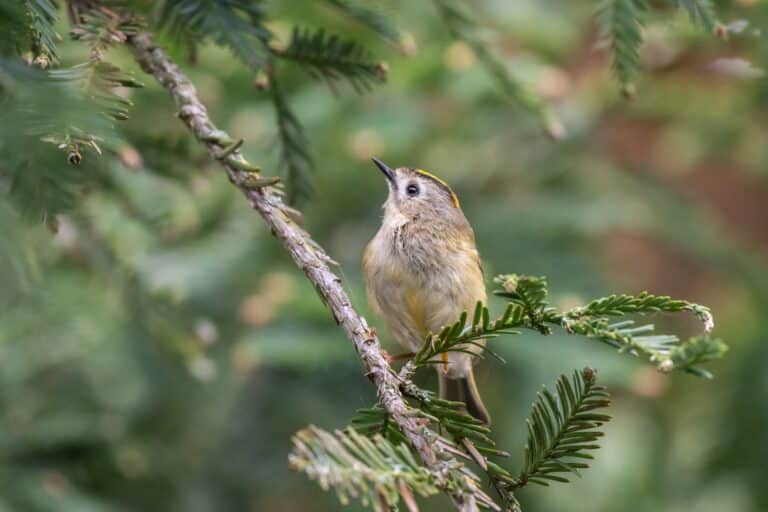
(397, 357)
(404, 355)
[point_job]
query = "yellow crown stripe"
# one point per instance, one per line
(441, 182)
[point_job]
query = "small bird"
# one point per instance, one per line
(422, 270)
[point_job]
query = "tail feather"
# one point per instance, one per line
(464, 390)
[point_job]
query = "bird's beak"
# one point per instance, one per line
(388, 172)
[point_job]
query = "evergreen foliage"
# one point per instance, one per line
(295, 156)
(564, 426)
(528, 308)
(331, 59)
(14, 23)
(29, 26)
(40, 183)
(448, 417)
(97, 81)
(59, 140)
(370, 17)
(621, 24)
(562, 429)
(372, 469)
(43, 13)
(71, 108)
(701, 12)
(240, 26)
(621, 27)
(464, 27)
(234, 24)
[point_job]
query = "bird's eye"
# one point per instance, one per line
(412, 190)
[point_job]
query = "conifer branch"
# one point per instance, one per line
(620, 24)
(97, 80)
(324, 57)
(460, 435)
(448, 417)
(371, 18)
(37, 108)
(44, 35)
(701, 12)
(235, 24)
(295, 156)
(308, 256)
(329, 58)
(373, 469)
(72, 108)
(562, 429)
(528, 309)
(94, 80)
(468, 437)
(101, 29)
(463, 27)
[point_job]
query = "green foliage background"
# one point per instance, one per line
(158, 351)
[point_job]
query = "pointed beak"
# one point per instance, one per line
(388, 172)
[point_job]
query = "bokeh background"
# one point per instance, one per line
(159, 350)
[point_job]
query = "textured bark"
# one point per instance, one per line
(307, 255)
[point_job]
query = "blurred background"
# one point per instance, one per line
(158, 351)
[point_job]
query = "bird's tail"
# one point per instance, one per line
(464, 390)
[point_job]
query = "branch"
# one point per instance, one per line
(563, 428)
(528, 309)
(701, 12)
(378, 471)
(306, 253)
(463, 26)
(327, 57)
(621, 24)
(295, 155)
(370, 17)
(374, 470)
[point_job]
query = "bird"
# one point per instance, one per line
(422, 270)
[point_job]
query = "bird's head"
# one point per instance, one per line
(414, 192)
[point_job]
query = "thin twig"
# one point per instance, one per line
(306, 253)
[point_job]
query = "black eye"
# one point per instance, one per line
(412, 190)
